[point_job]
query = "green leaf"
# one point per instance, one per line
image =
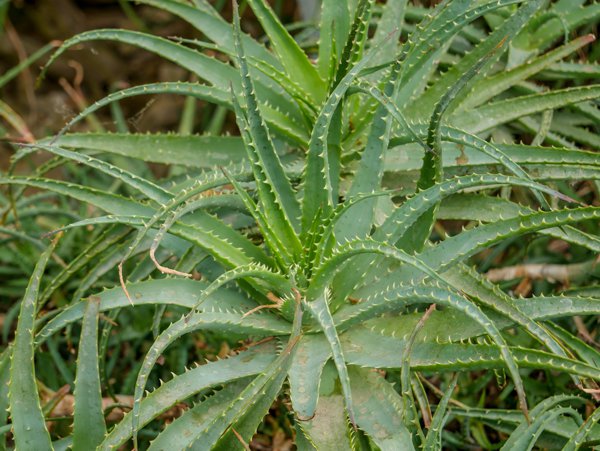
(498, 83)
(503, 111)
(373, 349)
(170, 291)
(210, 69)
(320, 312)
(526, 434)
(304, 375)
(380, 410)
(268, 382)
(318, 182)
(180, 388)
(328, 429)
(146, 187)
(577, 439)
(89, 428)
(180, 433)
(291, 56)
(334, 29)
(506, 32)
(278, 199)
(355, 43)
(28, 423)
(434, 435)
(467, 243)
(205, 19)
(191, 151)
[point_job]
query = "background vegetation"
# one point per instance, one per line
(519, 75)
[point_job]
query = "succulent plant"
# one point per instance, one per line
(315, 229)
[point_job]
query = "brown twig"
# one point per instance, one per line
(541, 271)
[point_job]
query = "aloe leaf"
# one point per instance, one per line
(401, 219)
(470, 242)
(391, 21)
(334, 28)
(353, 48)
(304, 375)
(503, 111)
(104, 241)
(199, 91)
(89, 428)
(496, 84)
(146, 187)
(109, 202)
(224, 243)
(320, 311)
(318, 182)
(433, 440)
(274, 281)
(371, 167)
(577, 439)
(328, 429)
(250, 419)
(380, 411)
(484, 208)
(206, 20)
(210, 69)
(178, 434)
(291, 56)
(283, 124)
(581, 349)
(553, 29)
(408, 158)
(404, 216)
(180, 388)
(28, 423)
(170, 291)
(432, 37)
(432, 170)
(410, 416)
(4, 401)
(407, 296)
(268, 382)
(378, 350)
(506, 32)
(275, 191)
(526, 434)
(254, 324)
(460, 328)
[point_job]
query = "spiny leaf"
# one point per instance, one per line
(320, 312)
(180, 388)
(275, 191)
(179, 433)
(89, 428)
(214, 71)
(291, 56)
(305, 374)
(318, 183)
(496, 84)
(433, 440)
(469, 242)
(379, 410)
(384, 351)
(506, 32)
(579, 437)
(28, 423)
(503, 111)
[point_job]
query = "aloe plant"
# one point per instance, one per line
(314, 231)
